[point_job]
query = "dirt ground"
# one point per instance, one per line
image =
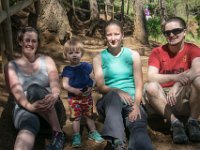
(158, 129)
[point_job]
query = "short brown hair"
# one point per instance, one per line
(180, 20)
(73, 45)
(23, 30)
(113, 22)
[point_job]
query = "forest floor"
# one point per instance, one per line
(158, 129)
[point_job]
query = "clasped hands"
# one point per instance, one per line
(45, 104)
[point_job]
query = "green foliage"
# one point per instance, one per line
(195, 10)
(154, 27)
(190, 38)
(170, 7)
(198, 21)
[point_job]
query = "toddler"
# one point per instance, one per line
(78, 81)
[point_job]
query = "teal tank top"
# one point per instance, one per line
(118, 70)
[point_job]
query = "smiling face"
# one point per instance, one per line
(114, 36)
(175, 33)
(29, 43)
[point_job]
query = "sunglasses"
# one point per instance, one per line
(174, 31)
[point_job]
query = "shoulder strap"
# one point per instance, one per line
(43, 63)
(15, 66)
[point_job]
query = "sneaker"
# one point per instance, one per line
(57, 142)
(118, 145)
(178, 133)
(76, 140)
(95, 136)
(193, 130)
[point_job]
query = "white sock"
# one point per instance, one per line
(176, 120)
(190, 118)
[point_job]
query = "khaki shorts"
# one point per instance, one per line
(181, 107)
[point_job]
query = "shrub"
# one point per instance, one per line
(154, 27)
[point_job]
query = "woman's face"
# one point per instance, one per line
(29, 43)
(114, 36)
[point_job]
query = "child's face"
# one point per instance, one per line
(74, 56)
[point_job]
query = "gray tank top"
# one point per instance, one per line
(40, 77)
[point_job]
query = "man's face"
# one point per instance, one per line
(174, 33)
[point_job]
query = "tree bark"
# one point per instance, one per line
(139, 32)
(122, 10)
(53, 21)
(163, 11)
(180, 8)
(127, 6)
(109, 4)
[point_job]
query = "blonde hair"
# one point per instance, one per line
(73, 45)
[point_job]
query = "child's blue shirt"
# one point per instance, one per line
(79, 76)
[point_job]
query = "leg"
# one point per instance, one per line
(138, 132)
(75, 116)
(91, 124)
(87, 111)
(194, 99)
(52, 118)
(25, 140)
(37, 92)
(110, 106)
(76, 126)
(28, 125)
(93, 134)
(192, 125)
(157, 99)
(76, 138)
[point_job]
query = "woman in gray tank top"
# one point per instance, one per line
(35, 87)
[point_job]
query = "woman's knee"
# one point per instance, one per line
(31, 124)
(140, 123)
(36, 92)
(27, 121)
(112, 96)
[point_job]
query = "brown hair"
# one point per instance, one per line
(113, 22)
(73, 45)
(175, 19)
(23, 30)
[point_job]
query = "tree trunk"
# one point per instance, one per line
(180, 8)
(53, 22)
(139, 32)
(109, 4)
(127, 6)
(163, 11)
(94, 10)
(94, 17)
(122, 10)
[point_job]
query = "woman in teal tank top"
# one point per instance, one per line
(118, 76)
